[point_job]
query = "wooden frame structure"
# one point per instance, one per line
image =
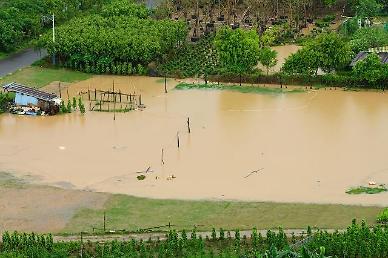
(113, 101)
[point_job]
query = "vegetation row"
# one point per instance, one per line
(356, 241)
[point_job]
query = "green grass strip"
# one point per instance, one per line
(242, 89)
(367, 190)
(39, 77)
(133, 213)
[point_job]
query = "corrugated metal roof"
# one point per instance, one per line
(362, 55)
(19, 88)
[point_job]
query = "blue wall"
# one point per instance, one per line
(24, 100)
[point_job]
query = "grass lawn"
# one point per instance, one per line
(39, 77)
(132, 213)
(242, 89)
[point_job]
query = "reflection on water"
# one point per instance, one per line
(311, 146)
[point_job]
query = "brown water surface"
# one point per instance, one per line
(309, 146)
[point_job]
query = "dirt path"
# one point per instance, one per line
(162, 235)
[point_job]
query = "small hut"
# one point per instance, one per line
(32, 101)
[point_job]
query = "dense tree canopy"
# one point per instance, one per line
(23, 20)
(367, 8)
(110, 41)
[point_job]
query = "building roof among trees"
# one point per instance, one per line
(362, 55)
(19, 88)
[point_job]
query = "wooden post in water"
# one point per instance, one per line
(177, 138)
(188, 125)
(140, 100)
(67, 94)
(104, 222)
(95, 94)
(89, 94)
(162, 156)
(281, 82)
(165, 84)
(100, 102)
(114, 102)
(60, 92)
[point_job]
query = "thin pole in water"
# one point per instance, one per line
(162, 156)
(188, 125)
(60, 93)
(104, 221)
(165, 84)
(114, 101)
(100, 101)
(177, 137)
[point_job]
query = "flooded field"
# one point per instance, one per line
(305, 147)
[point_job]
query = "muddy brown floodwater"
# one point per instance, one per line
(309, 147)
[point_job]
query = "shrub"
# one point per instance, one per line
(383, 216)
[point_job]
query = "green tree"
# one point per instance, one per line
(305, 61)
(366, 38)
(238, 50)
(371, 69)
(328, 52)
(68, 107)
(267, 58)
(334, 52)
(367, 8)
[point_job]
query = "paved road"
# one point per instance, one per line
(20, 60)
